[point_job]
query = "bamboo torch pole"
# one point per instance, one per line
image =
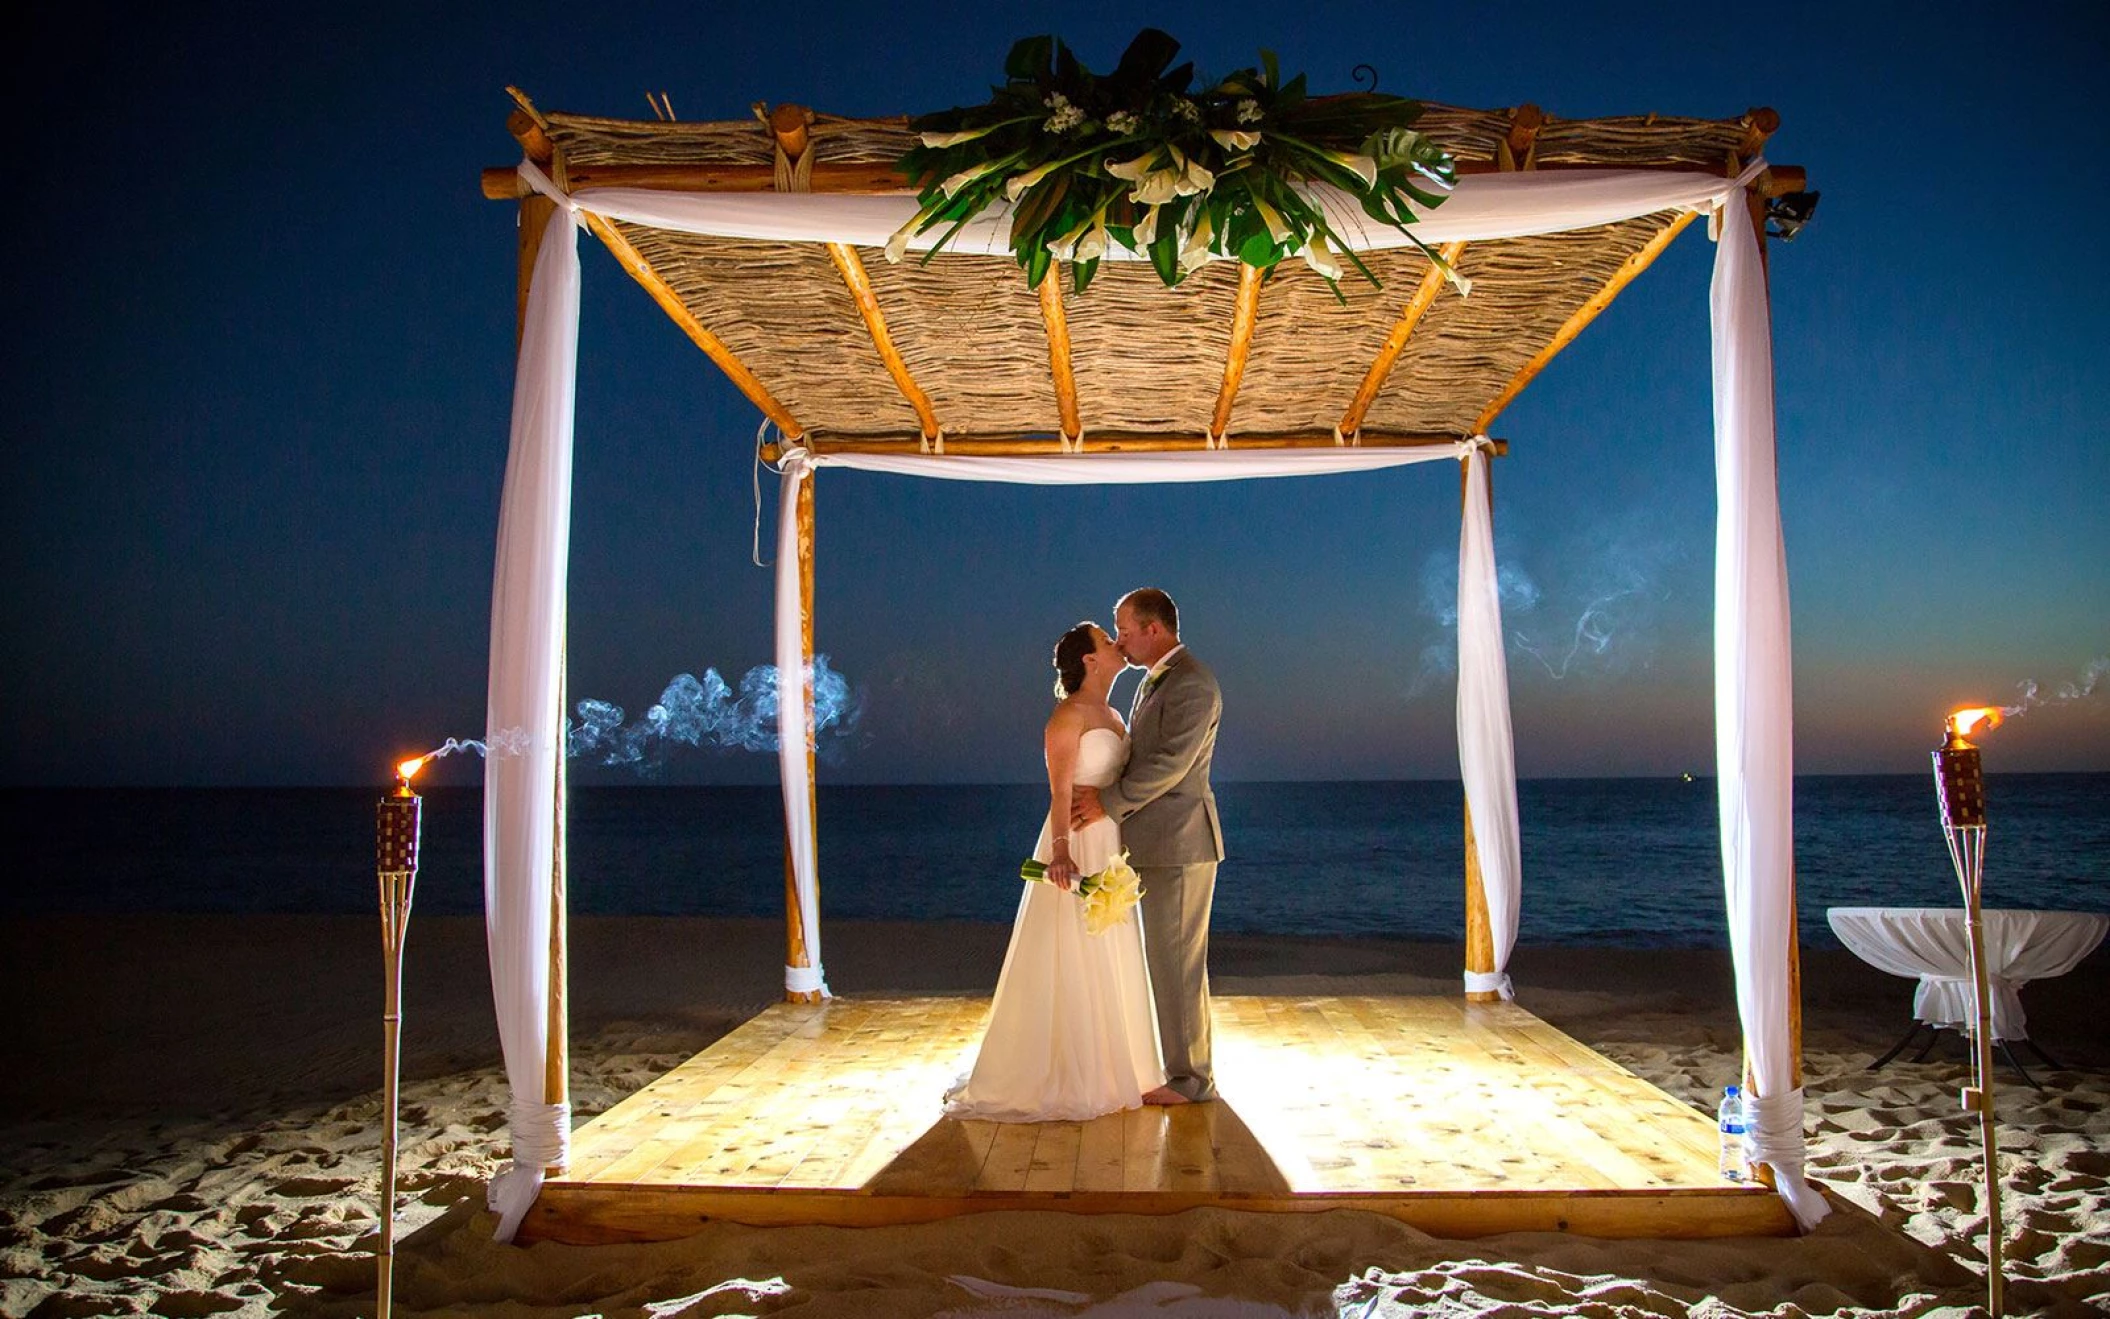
(396, 865)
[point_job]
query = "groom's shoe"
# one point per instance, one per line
(1165, 1096)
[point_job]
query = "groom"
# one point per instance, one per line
(1169, 825)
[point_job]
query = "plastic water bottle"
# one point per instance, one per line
(1733, 1124)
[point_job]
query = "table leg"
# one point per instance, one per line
(1899, 1047)
(2044, 1057)
(2016, 1063)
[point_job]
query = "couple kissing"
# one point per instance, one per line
(1086, 1023)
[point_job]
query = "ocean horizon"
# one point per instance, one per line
(1628, 862)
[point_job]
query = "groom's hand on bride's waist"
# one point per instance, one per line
(1085, 807)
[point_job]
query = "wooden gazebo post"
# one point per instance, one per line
(1479, 930)
(788, 124)
(535, 213)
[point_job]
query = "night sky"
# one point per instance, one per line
(259, 367)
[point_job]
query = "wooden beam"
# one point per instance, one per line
(1628, 271)
(796, 951)
(873, 177)
(1760, 123)
(860, 285)
(1058, 323)
(1514, 149)
(1047, 446)
(789, 125)
(714, 348)
(1396, 340)
(1244, 313)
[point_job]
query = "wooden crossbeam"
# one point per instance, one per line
(1396, 339)
(1244, 313)
(1048, 446)
(1058, 323)
(713, 347)
(502, 183)
(1628, 271)
(860, 285)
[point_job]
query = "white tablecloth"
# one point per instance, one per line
(1934, 944)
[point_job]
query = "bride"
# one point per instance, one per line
(1072, 1033)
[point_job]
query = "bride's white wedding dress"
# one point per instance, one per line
(1072, 1032)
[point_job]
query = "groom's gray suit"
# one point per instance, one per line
(1169, 825)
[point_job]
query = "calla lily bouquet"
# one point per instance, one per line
(1138, 159)
(1108, 895)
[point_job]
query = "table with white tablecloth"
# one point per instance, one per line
(1934, 945)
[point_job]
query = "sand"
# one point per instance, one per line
(189, 1126)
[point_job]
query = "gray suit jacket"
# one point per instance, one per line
(1163, 799)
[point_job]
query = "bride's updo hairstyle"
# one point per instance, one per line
(1076, 643)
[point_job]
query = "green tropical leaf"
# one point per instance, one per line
(1037, 260)
(1081, 273)
(1028, 58)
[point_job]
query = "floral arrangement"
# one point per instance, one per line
(1108, 896)
(1182, 177)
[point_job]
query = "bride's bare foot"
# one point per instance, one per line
(1165, 1097)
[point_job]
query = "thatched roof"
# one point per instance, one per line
(1150, 365)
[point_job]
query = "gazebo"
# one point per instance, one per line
(762, 240)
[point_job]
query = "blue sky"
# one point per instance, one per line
(259, 369)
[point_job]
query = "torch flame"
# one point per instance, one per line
(409, 768)
(1963, 721)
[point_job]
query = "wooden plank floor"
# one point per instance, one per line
(1461, 1118)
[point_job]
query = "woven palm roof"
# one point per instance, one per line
(960, 343)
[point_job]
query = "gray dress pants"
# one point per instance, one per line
(1176, 902)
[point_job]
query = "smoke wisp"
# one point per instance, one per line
(2034, 697)
(706, 712)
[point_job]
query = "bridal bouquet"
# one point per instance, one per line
(1108, 895)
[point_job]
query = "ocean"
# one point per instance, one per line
(1621, 862)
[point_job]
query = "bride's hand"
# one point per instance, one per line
(1062, 872)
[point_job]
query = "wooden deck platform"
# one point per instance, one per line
(1462, 1119)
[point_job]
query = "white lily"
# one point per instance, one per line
(1193, 177)
(1322, 258)
(952, 186)
(1146, 229)
(1194, 254)
(942, 140)
(1156, 188)
(1019, 183)
(1277, 228)
(897, 245)
(1065, 247)
(1132, 170)
(1093, 245)
(1233, 140)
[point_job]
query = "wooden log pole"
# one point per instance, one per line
(1059, 365)
(1396, 339)
(1245, 314)
(678, 311)
(796, 950)
(1479, 927)
(1629, 270)
(855, 278)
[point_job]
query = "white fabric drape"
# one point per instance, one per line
(794, 733)
(1487, 758)
(1933, 944)
(1482, 206)
(1138, 468)
(1754, 742)
(524, 724)
(1754, 695)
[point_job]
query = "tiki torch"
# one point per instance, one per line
(396, 863)
(1959, 784)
